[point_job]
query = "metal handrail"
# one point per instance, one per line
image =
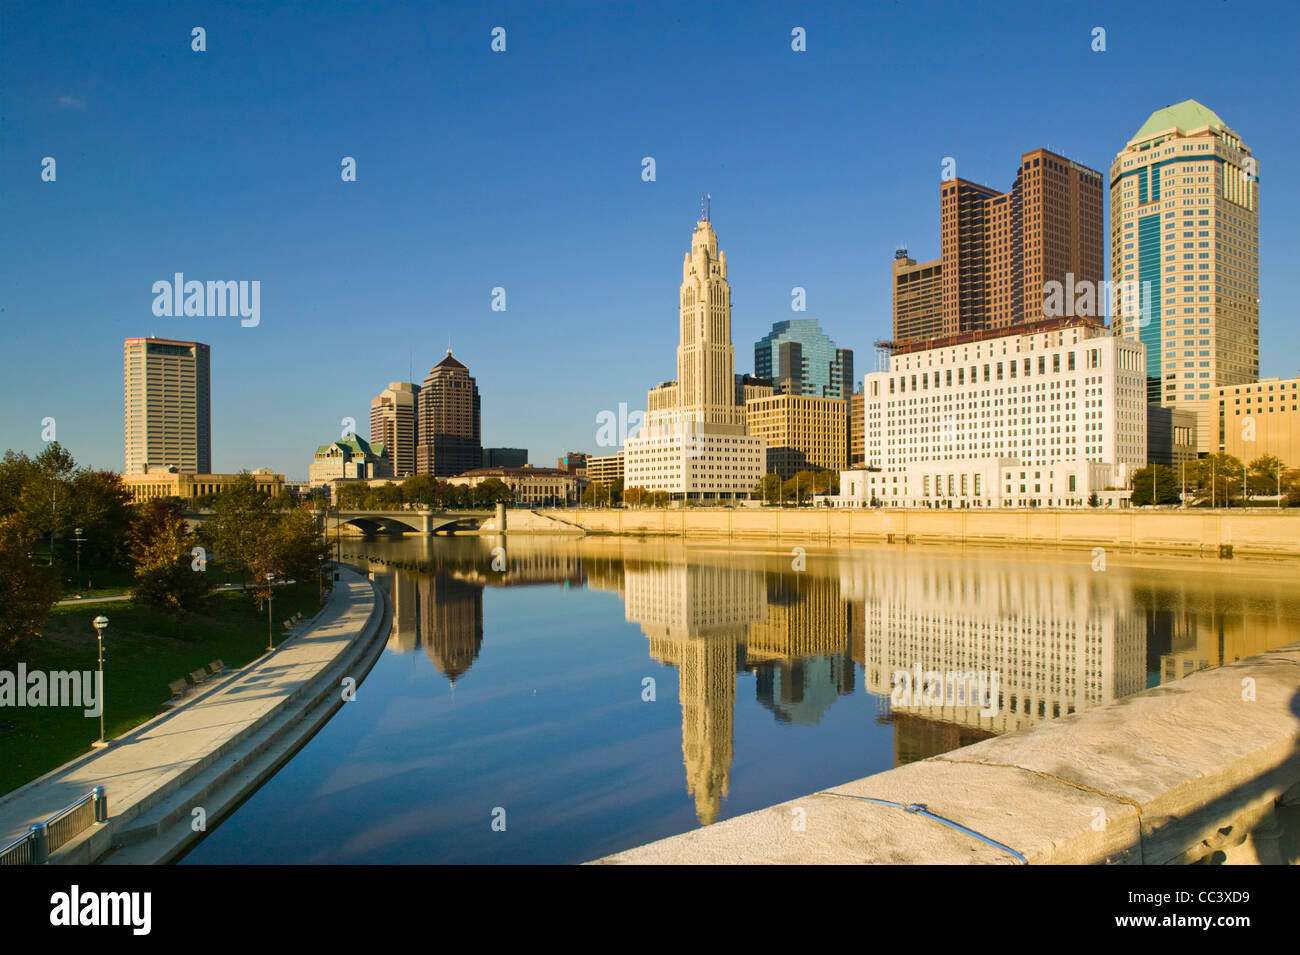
(35, 846)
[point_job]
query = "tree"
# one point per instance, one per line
(488, 493)
(596, 493)
(768, 488)
(616, 491)
(162, 549)
(659, 499)
(240, 518)
(101, 506)
(421, 489)
(1094, 500)
(27, 592)
(635, 496)
(1166, 485)
(1219, 475)
(45, 498)
(1264, 475)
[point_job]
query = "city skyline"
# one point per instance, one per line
(346, 309)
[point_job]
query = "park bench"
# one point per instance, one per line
(179, 688)
(215, 667)
(198, 676)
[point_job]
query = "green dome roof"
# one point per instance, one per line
(1188, 114)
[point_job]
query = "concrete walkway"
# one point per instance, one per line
(156, 773)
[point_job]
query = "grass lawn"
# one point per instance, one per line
(142, 654)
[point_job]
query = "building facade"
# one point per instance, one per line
(394, 419)
(449, 422)
(802, 432)
(348, 458)
(1042, 417)
(1184, 227)
(693, 442)
(857, 439)
(169, 482)
(918, 298)
(1000, 250)
(168, 405)
(1171, 436)
(505, 457)
(605, 470)
(536, 487)
(800, 359)
(1260, 418)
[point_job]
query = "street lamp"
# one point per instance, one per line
(320, 577)
(79, 539)
(101, 624)
(270, 598)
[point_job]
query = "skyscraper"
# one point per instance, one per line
(448, 424)
(800, 359)
(1001, 249)
(918, 298)
(693, 442)
(394, 416)
(1184, 218)
(168, 405)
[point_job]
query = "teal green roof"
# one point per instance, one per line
(1186, 115)
(357, 445)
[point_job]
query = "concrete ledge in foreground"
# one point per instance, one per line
(1168, 775)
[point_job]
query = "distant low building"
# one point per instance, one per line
(169, 482)
(605, 470)
(352, 457)
(505, 457)
(538, 487)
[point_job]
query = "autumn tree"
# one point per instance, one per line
(27, 592)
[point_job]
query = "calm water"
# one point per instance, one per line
(523, 695)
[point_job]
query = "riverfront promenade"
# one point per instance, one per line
(1176, 774)
(1252, 532)
(216, 747)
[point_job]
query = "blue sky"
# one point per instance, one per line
(522, 170)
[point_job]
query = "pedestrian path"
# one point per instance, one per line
(157, 758)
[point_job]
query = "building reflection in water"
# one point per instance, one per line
(1060, 637)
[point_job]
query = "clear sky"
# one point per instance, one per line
(523, 170)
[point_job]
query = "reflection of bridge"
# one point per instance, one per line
(404, 521)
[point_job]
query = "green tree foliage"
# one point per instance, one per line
(162, 550)
(1219, 478)
(769, 489)
(27, 592)
(636, 497)
(1166, 489)
(241, 517)
(1265, 474)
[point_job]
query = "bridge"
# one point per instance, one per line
(423, 521)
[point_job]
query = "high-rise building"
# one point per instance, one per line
(800, 359)
(394, 414)
(1184, 229)
(802, 432)
(168, 405)
(449, 421)
(999, 250)
(918, 298)
(693, 442)
(1258, 419)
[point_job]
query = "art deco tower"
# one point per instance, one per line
(693, 444)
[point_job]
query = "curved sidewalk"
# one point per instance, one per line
(215, 748)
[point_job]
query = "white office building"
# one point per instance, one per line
(1045, 416)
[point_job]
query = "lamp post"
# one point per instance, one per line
(79, 539)
(101, 624)
(320, 578)
(270, 598)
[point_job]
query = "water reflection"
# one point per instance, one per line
(1060, 636)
